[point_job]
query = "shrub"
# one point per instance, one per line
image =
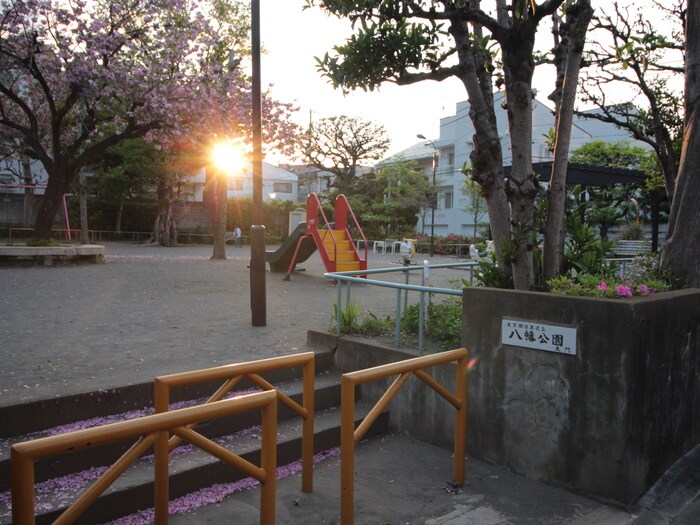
(352, 322)
(641, 277)
(444, 321)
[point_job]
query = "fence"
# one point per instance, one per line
(349, 435)
(347, 278)
(149, 430)
(232, 374)
(65, 234)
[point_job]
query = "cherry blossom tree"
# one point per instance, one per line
(78, 76)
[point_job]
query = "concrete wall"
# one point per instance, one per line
(607, 421)
(416, 410)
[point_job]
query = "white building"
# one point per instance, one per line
(278, 184)
(311, 180)
(456, 143)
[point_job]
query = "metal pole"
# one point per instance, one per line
(258, 293)
(434, 203)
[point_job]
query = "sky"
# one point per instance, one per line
(292, 37)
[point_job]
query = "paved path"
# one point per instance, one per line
(150, 310)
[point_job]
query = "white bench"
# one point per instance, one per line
(632, 248)
(390, 245)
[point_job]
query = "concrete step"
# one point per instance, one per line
(36, 416)
(327, 387)
(192, 469)
(28, 421)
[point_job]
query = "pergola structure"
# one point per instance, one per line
(592, 175)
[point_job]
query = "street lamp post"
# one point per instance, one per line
(433, 202)
(258, 294)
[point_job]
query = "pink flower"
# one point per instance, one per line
(644, 289)
(602, 286)
(623, 291)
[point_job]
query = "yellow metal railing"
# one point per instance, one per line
(149, 430)
(349, 436)
(232, 374)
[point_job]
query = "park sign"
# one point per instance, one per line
(557, 339)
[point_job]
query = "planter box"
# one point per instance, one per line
(606, 421)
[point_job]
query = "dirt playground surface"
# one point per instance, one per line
(149, 311)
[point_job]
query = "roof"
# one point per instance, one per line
(588, 174)
(419, 151)
(271, 172)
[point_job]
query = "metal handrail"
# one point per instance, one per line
(232, 374)
(149, 429)
(354, 277)
(350, 436)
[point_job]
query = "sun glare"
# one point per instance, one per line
(228, 158)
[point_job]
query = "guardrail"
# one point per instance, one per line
(149, 430)
(66, 233)
(232, 374)
(350, 436)
(424, 289)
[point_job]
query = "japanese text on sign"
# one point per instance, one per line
(546, 337)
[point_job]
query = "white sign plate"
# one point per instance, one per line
(558, 339)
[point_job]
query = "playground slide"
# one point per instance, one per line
(281, 258)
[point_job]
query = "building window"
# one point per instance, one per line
(450, 159)
(446, 198)
(282, 187)
(235, 184)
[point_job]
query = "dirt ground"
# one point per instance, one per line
(150, 311)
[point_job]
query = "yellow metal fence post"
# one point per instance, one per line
(347, 451)
(148, 429)
(307, 453)
(349, 436)
(232, 374)
(461, 386)
(161, 474)
(268, 462)
(22, 475)
(161, 479)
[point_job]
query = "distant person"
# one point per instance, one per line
(237, 236)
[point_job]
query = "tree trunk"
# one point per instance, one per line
(165, 227)
(28, 204)
(219, 251)
(681, 251)
(574, 37)
(49, 207)
(120, 214)
(486, 156)
(522, 187)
